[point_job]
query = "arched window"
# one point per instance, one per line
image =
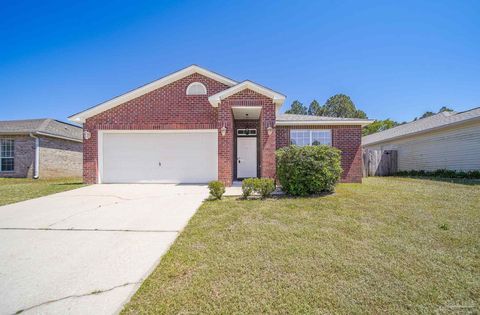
(196, 88)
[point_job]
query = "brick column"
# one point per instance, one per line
(225, 145)
(348, 140)
(268, 142)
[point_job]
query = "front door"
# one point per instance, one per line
(246, 157)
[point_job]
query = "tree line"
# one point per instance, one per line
(341, 105)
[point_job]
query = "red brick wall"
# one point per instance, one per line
(345, 138)
(225, 143)
(165, 108)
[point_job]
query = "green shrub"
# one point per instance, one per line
(441, 173)
(217, 189)
(264, 186)
(308, 170)
(248, 187)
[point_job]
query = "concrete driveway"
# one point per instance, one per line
(86, 251)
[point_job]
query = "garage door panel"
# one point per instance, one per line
(172, 157)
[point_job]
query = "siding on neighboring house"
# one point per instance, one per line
(456, 148)
(24, 150)
(60, 158)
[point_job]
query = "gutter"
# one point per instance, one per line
(36, 171)
(323, 122)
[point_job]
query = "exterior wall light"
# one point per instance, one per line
(223, 130)
(86, 135)
(270, 130)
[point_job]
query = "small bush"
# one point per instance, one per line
(217, 189)
(308, 170)
(441, 173)
(264, 186)
(248, 187)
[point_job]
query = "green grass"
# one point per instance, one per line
(19, 189)
(390, 245)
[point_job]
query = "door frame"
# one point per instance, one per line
(101, 132)
(235, 154)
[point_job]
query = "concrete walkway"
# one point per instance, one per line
(86, 251)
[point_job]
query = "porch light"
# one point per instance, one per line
(86, 135)
(270, 130)
(269, 126)
(223, 130)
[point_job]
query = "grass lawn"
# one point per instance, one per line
(390, 245)
(19, 189)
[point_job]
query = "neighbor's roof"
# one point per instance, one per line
(44, 126)
(440, 120)
(307, 120)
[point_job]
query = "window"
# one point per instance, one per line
(196, 88)
(311, 137)
(7, 155)
(246, 132)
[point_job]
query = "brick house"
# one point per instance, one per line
(35, 148)
(195, 125)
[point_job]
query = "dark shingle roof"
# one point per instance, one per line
(46, 126)
(439, 120)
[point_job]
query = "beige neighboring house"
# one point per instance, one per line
(448, 140)
(40, 148)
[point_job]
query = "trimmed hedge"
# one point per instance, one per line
(441, 173)
(308, 170)
(217, 189)
(248, 187)
(262, 186)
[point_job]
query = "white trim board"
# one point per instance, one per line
(82, 116)
(324, 122)
(277, 98)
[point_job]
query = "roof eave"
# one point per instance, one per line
(324, 122)
(423, 131)
(276, 97)
(40, 133)
(83, 115)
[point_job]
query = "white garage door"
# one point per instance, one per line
(181, 156)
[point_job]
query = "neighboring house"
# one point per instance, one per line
(44, 148)
(195, 125)
(447, 140)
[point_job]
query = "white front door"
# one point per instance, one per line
(246, 157)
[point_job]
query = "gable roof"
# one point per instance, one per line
(309, 120)
(81, 116)
(277, 98)
(44, 126)
(438, 121)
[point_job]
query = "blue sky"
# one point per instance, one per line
(396, 59)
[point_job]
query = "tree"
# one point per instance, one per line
(340, 105)
(297, 108)
(315, 109)
(429, 113)
(379, 125)
(445, 109)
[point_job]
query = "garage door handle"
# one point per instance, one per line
(159, 163)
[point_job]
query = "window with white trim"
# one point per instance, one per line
(302, 137)
(7, 153)
(196, 88)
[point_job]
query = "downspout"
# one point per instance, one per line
(36, 171)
